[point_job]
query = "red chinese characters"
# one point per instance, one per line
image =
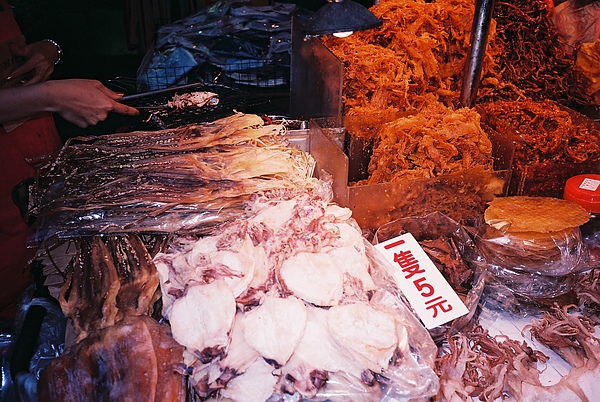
(421, 281)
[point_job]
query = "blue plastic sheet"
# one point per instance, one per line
(229, 43)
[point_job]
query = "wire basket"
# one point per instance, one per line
(245, 74)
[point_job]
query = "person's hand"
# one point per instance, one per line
(39, 61)
(84, 102)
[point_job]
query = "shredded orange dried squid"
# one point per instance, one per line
(436, 141)
(415, 58)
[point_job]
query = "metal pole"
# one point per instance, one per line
(479, 36)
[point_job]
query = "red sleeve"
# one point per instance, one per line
(9, 28)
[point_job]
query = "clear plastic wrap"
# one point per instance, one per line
(410, 375)
(531, 269)
(586, 281)
(411, 378)
(591, 245)
(577, 23)
(551, 254)
(6, 381)
(39, 337)
(186, 179)
(436, 226)
(312, 313)
(461, 196)
(529, 285)
(51, 340)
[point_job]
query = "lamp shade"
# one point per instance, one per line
(341, 16)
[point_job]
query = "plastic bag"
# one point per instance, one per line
(552, 254)
(228, 43)
(577, 24)
(439, 226)
(529, 270)
(39, 338)
(6, 381)
(376, 348)
(124, 183)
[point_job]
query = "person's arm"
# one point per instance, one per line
(79, 101)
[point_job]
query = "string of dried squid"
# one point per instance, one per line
(114, 182)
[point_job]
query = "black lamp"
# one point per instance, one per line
(341, 16)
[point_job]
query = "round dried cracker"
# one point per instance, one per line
(535, 214)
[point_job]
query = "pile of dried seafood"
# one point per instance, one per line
(417, 57)
(184, 179)
(474, 363)
(533, 61)
(552, 143)
(111, 290)
(288, 303)
(434, 142)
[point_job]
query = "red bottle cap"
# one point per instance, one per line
(584, 189)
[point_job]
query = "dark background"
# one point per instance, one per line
(101, 39)
(105, 39)
(92, 34)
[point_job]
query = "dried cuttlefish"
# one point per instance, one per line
(571, 336)
(190, 178)
(475, 364)
(109, 279)
(109, 295)
(135, 359)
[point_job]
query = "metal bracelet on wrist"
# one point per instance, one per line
(59, 50)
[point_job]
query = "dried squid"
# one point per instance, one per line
(345, 337)
(135, 359)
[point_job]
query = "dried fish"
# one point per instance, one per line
(134, 359)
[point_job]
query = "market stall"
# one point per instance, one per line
(392, 246)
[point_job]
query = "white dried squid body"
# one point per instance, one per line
(348, 230)
(236, 262)
(238, 360)
(348, 251)
(239, 354)
(369, 335)
(275, 328)
(316, 357)
(235, 266)
(261, 268)
(175, 271)
(336, 272)
(314, 277)
(254, 385)
(201, 320)
(246, 376)
(349, 343)
(273, 215)
(354, 266)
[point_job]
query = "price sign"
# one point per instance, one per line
(428, 292)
